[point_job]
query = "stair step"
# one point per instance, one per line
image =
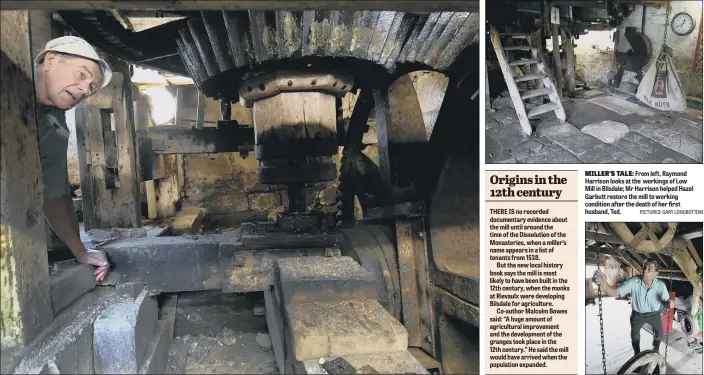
(529, 77)
(539, 110)
(522, 62)
(536, 92)
(518, 48)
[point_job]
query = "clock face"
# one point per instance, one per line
(682, 23)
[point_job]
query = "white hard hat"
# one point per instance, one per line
(74, 45)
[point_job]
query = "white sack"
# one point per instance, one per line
(661, 87)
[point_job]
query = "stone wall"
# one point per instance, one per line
(595, 51)
(683, 46)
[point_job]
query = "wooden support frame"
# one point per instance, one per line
(104, 205)
(570, 61)
(418, 315)
(24, 285)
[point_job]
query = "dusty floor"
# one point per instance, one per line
(225, 353)
(681, 359)
(220, 333)
(601, 127)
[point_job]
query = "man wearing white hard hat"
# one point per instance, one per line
(68, 71)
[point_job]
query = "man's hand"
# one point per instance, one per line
(599, 277)
(672, 304)
(96, 258)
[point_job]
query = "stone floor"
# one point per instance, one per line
(681, 358)
(601, 128)
(221, 333)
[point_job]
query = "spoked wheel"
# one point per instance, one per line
(647, 362)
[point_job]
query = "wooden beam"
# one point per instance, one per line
(639, 237)
(655, 227)
(662, 259)
(570, 63)
(200, 111)
(626, 258)
(106, 121)
(24, 285)
(383, 124)
(557, 68)
(166, 5)
(635, 255)
(646, 246)
(693, 234)
(693, 253)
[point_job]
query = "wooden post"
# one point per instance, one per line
(568, 45)
(24, 281)
(383, 120)
(110, 178)
(201, 110)
(557, 66)
(487, 95)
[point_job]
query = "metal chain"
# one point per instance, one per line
(670, 318)
(601, 315)
(668, 9)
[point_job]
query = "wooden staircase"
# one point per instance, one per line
(540, 74)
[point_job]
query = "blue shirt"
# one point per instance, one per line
(645, 300)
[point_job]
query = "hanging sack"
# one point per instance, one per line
(661, 87)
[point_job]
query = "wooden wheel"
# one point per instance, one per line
(647, 362)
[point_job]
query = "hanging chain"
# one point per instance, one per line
(601, 315)
(670, 312)
(668, 9)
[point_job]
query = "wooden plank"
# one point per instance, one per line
(84, 164)
(24, 285)
(570, 62)
(409, 287)
(383, 123)
(169, 191)
(200, 111)
(151, 199)
(510, 84)
(557, 69)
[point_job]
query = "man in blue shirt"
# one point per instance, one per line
(648, 296)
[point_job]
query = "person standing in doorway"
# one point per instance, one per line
(648, 295)
(67, 72)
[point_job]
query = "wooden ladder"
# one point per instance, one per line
(540, 74)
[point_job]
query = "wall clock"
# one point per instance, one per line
(682, 23)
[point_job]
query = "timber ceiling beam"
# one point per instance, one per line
(645, 246)
(164, 5)
(693, 234)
